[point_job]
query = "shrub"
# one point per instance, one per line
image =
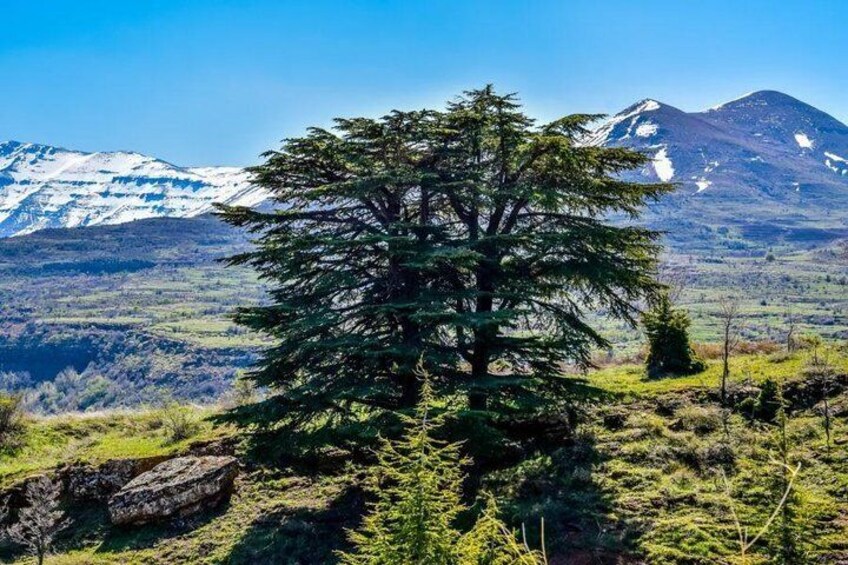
(11, 421)
(178, 421)
(748, 407)
(244, 391)
(769, 401)
(667, 329)
(780, 357)
(714, 350)
(766, 405)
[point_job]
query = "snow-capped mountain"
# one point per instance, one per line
(765, 158)
(765, 147)
(44, 187)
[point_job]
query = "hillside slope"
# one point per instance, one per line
(639, 481)
(107, 315)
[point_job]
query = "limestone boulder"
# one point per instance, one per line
(174, 489)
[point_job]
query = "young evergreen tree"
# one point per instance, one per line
(468, 238)
(669, 351)
(792, 534)
(41, 520)
(490, 542)
(417, 483)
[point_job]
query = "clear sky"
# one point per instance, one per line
(217, 82)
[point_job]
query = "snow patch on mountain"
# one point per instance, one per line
(835, 157)
(44, 187)
(646, 130)
(833, 162)
(702, 184)
(803, 141)
(663, 165)
(746, 151)
(630, 116)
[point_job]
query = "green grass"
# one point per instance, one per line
(57, 440)
(794, 286)
(642, 480)
(632, 380)
(266, 521)
(639, 482)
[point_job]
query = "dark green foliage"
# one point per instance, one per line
(769, 402)
(669, 352)
(417, 483)
(766, 406)
(470, 238)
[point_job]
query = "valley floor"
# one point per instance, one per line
(99, 317)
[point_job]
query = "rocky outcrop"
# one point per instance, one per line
(175, 488)
(90, 482)
(14, 498)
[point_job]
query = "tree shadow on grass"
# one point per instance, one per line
(540, 468)
(91, 526)
(561, 486)
(301, 535)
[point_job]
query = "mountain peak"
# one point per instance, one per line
(636, 120)
(6, 147)
(760, 98)
(645, 105)
(766, 145)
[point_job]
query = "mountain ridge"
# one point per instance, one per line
(758, 168)
(762, 127)
(765, 157)
(42, 186)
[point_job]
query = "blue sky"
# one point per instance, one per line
(218, 82)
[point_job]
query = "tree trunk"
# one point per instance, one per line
(483, 337)
(725, 373)
(477, 399)
(410, 390)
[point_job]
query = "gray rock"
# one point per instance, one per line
(176, 488)
(88, 482)
(14, 498)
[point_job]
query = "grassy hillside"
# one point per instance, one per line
(640, 479)
(54, 441)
